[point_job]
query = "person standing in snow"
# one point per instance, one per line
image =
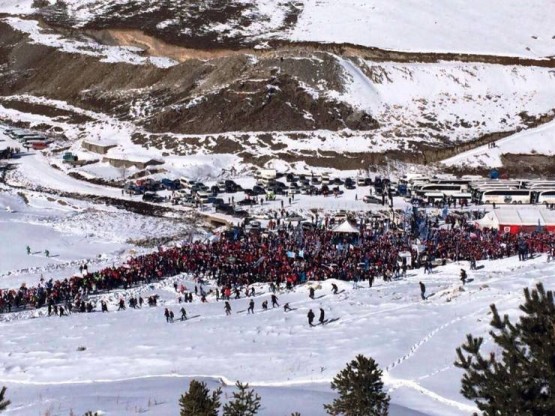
(171, 316)
(311, 293)
(103, 306)
(47, 253)
(286, 307)
(227, 308)
(422, 290)
(183, 314)
(251, 307)
(265, 305)
(121, 305)
(334, 288)
(167, 315)
(310, 317)
(322, 316)
(274, 301)
(28, 250)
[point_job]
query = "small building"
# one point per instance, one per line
(129, 161)
(97, 147)
(519, 220)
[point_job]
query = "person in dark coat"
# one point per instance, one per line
(334, 288)
(463, 276)
(251, 307)
(274, 301)
(322, 316)
(227, 308)
(183, 314)
(311, 293)
(265, 305)
(167, 315)
(422, 290)
(310, 317)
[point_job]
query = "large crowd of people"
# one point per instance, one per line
(290, 256)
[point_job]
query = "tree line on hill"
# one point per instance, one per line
(519, 380)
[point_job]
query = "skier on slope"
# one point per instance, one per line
(310, 317)
(227, 308)
(183, 314)
(422, 290)
(251, 307)
(334, 288)
(274, 301)
(322, 316)
(463, 276)
(286, 307)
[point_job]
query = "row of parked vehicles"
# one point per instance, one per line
(28, 139)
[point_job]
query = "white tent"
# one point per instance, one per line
(346, 228)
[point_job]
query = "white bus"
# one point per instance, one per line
(546, 197)
(506, 196)
(444, 188)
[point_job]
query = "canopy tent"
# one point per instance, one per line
(345, 228)
(519, 220)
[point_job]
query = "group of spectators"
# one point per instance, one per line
(289, 256)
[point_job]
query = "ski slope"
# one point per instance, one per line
(135, 362)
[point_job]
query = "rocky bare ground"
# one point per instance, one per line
(294, 101)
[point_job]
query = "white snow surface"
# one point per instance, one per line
(136, 363)
(540, 140)
(496, 27)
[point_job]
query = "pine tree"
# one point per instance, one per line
(360, 390)
(4, 403)
(245, 402)
(198, 402)
(521, 380)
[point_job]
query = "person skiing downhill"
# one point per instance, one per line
(463, 276)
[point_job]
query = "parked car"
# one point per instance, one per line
(152, 197)
(259, 190)
(170, 184)
(224, 209)
(240, 213)
(246, 202)
(371, 199)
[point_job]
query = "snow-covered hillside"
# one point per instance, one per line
(495, 27)
(134, 360)
(538, 141)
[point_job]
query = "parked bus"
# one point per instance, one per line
(506, 196)
(546, 197)
(446, 189)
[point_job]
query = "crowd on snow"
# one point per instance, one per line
(289, 257)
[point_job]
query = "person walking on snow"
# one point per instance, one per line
(28, 250)
(167, 315)
(47, 253)
(251, 307)
(265, 305)
(274, 301)
(183, 314)
(227, 308)
(311, 293)
(334, 288)
(310, 317)
(422, 290)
